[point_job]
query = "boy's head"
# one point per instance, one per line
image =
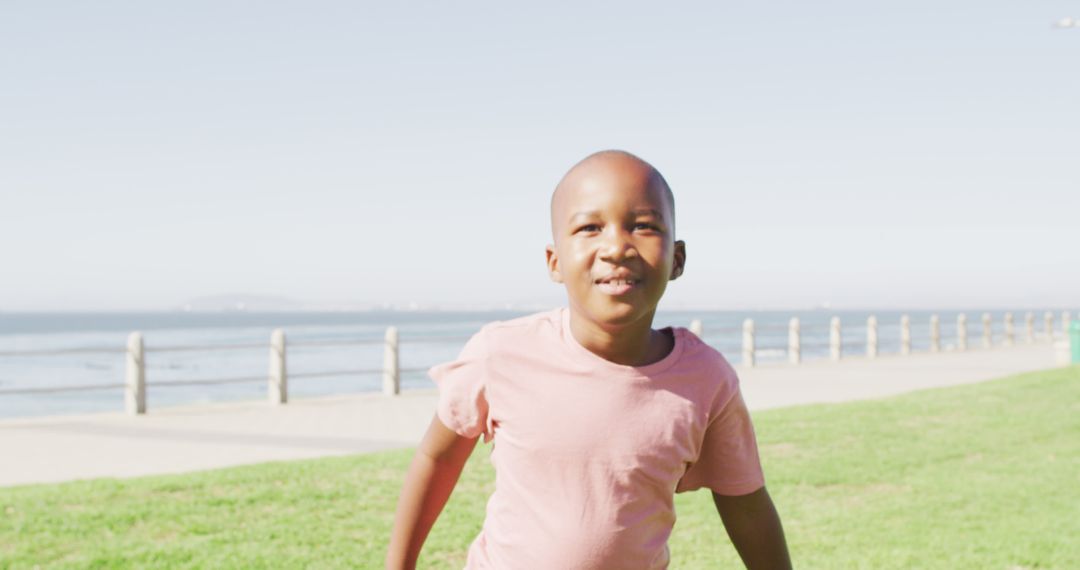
(613, 226)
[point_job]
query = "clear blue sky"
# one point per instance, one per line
(868, 154)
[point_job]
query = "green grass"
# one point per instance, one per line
(984, 476)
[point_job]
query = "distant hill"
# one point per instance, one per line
(240, 302)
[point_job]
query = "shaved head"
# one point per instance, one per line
(598, 165)
(613, 224)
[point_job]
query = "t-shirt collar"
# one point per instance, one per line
(585, 355)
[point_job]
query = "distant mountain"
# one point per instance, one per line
(240, 302)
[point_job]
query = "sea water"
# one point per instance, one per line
(426, 338)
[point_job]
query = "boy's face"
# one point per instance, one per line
(614, 240)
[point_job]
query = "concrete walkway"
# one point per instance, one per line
(181, 439)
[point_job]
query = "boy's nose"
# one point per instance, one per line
(617, 246)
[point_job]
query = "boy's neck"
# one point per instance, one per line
(633, 344)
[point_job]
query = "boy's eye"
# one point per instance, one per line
(588, 228)
(645, 226)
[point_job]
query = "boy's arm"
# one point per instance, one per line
(755, 530)
(432, 475)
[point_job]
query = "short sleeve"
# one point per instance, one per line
(463, 405)
(728, 463)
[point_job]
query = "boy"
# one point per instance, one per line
(598, 419)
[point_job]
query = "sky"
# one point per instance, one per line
(891, 154)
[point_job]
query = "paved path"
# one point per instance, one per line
(174, 440)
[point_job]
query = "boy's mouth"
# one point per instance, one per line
(617, 285)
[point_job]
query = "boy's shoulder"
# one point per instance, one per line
(542, 323)
(702, 356)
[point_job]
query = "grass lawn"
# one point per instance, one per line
(984, 476)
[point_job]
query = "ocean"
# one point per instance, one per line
(426, 337)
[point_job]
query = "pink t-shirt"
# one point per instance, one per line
(588, 453)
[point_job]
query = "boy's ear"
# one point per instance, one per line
(553, 264)
(679, 266)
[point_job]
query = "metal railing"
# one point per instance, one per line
(278, 378)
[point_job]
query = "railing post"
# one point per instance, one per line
(696, 328)
(748, 343)
(391, 383)
(278, 385)
(905, 335)
(1010, 330)
(988, 331)
(871, 337)
(1066, 320)
(135, 376)
(794, 344)
(935, 333)
(961, 332)
(1048, 322)
(1029, 324)
(836, 346)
